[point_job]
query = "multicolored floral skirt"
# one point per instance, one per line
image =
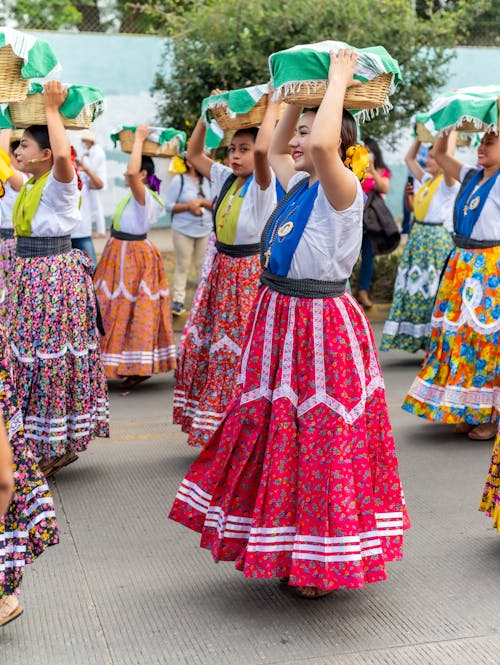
(408, 325)
(56, 361)
(301, 478)
(490, 503)
(460, 379)
(29, 526)
(7, 257)
(210, 354)
(134, 298)
(208, 261)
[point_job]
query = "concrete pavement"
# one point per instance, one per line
(128, 587)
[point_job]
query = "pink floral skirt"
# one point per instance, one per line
(301, 478)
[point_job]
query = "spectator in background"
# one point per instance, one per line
(188, 201)
(377, 179)
(92, 167)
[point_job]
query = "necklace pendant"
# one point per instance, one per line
(267, 256)
(474, 203)
(285, 229)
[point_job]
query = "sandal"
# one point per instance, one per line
(483, 432)
(9, 609)
(312, 592)
(49, 466)
(66, 459)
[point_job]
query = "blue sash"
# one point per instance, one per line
(292, 216)
(469, 204)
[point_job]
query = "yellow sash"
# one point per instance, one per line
(27, 204)
(424, 197)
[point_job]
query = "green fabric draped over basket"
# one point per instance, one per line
(158, 135)
(79, 97)
(309, 63)
(39, 60)
(472, 109)
(5, 121)
(236, 102)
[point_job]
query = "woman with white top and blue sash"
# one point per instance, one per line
(52, 320)
(460, 380)
(301, 481)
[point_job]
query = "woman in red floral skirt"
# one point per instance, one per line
(301, 480)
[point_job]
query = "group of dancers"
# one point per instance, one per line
(277, 373)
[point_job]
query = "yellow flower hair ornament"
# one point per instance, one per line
(6, 170)
(357, 160)
(177, 165)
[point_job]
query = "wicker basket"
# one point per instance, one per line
(13, 88)
(243, 121)
(32, 112)
(424, 136)
(149, 148)
(369, 95)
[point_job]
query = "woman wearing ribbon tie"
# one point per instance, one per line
(300, 481)
(460, 380)
(52, 319)
(408, 325)
(131, 283)
(211, 346)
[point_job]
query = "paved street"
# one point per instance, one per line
(128, 587)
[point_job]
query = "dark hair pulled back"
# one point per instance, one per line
(40, 134)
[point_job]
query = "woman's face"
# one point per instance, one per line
(29, 154)
(488, 152)
(431, 166)
(300, 143)
(240, 155)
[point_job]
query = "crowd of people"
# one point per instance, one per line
(277, 373)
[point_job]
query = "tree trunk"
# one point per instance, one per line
(91, 18)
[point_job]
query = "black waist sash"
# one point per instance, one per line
(29, 247)
(238, 251)
(120, 235)
(429, 223)
(470, 243)
(304, 288)
(6, 234)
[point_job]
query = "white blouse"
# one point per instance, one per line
(487, 226)
(58, 213)
(256, 208)
(331, 242)
(137, 219)
(440, 209)
(7, 206)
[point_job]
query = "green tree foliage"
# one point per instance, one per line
(226, 44)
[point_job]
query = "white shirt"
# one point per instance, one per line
(7, 204)
(58, 213)
(256, 208)
(95, 160)
(440, 209)
(137, 219)
(487, 226)
(331, 242)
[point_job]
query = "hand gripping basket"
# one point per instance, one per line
(424, 136)
(32, 112)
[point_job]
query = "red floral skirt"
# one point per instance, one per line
(301, 478)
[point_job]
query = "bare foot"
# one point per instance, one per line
(9, 609)
(312, 592)
(132, 381)
(364, 299)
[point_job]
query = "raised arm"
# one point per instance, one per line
(337, 181)
(97, 182)
(53, 98)
(261, 158)
(447, 162)
(134, 165)
(411, 160)
(196, 150)
(279, 151)
(452, 144)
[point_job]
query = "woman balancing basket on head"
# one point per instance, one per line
(211, 349)
(300, 481)
(131, 283)
(408, 325)
(459, 382)
(52, 319)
